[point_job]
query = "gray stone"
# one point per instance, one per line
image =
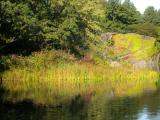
(107, 36)
(139, 64)
(115, 64)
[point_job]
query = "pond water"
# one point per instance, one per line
(143, 107)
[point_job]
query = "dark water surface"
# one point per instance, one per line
(144, 107)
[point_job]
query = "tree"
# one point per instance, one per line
(158, 18)
(150, 15)
(72, 25)
(120, 15)
(18, 23)
(148, 29)
(131, 14)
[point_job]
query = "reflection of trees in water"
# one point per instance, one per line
(129, 108)
(101, 108)
(122, 109)
(152, 102)
(21, 111)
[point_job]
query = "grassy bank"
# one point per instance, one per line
(54, 77)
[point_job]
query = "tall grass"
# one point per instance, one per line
(44, 80)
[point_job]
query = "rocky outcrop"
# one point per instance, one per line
(139, 64)
(148, 38)
(138, 50)
(154, 62)
(115, 64)
(107, 36)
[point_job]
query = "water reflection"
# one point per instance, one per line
(21, 111)
(144, 104)
(146, 107)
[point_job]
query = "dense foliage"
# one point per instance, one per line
(120, 15)
(71, 25)
(65, 24)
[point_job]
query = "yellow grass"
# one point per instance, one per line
(61, 82)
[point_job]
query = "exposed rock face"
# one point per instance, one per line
(148, 38)
(115, 64)
(154, 62)
(107, 36)
(139, 64)
(138, 50)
